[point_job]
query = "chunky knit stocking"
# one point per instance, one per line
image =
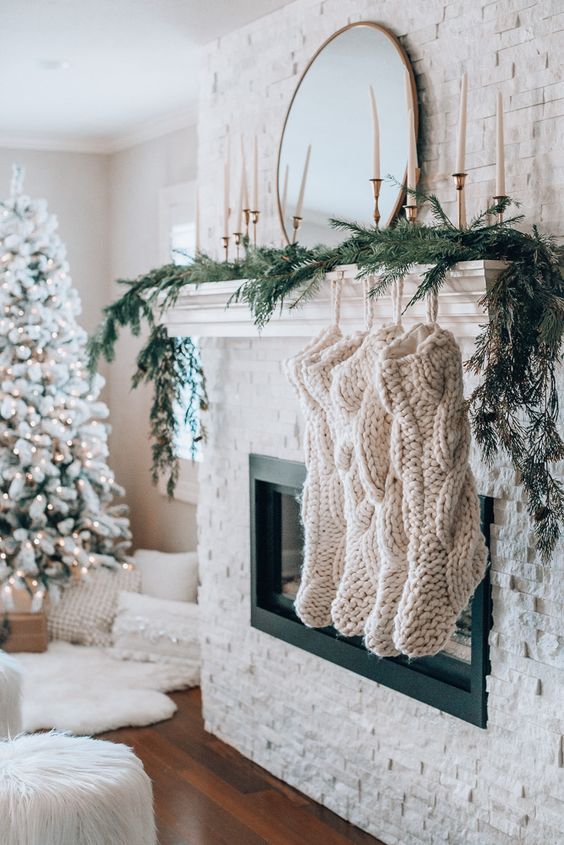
(324, 565)
(420, 382)
(362, 457)
(313, 567)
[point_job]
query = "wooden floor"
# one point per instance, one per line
(206, 793)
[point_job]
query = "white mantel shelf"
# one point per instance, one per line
(201, 311)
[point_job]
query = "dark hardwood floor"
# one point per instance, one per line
(206, 793)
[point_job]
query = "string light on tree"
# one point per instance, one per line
(48, 400)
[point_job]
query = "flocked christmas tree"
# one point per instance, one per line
(56, 489)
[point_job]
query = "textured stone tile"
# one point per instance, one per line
(397, 768)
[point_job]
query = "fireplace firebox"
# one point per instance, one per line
(453, 681)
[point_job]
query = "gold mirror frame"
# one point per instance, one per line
(407, 64)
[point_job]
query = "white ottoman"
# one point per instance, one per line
(57, 789)
(10, 696)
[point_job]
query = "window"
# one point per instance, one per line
(177, 243)
(182, 243)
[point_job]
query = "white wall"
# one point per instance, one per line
(108, 218)
(136, 176)
(77, 190)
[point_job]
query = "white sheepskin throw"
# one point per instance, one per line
(10, 696)
(420, 384)
(64, 790)
(83, 690)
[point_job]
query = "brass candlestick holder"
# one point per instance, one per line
(247, 218)
(498, 199)
(411, 213)
(459, 180)
(254, 221)
(238, 237)
(376, 185)
(225, 240)
(296, 221)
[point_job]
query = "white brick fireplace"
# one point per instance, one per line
(397, 768)
(401, 770)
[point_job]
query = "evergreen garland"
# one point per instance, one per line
(515, 407)
(172, 364)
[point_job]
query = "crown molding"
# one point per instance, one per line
(146, 131)
(53, 143)
(154, 128)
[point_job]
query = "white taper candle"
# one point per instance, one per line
(285, 191)
(411, 159)
(408, 91)
(300, 203)
(500, 149)
(462, 117)
(197, 223)
(240, 207)
(376, 142)
(226, 188)
(245, 178)
(255, 173)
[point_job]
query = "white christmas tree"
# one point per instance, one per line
(56, 489)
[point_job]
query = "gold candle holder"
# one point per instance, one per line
(296, 225)
(459, 180)
(247, 218)
(254, 221)
(238, 237)
(225, 240)
(411, 213)
(376, 185)
(500, 213)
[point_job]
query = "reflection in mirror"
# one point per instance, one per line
(327, 154)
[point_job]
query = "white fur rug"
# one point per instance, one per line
(82, 690)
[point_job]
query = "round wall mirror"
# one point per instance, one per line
(329, 134)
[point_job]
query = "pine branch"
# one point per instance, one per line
(515, 407)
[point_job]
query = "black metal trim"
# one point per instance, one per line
(442, 681)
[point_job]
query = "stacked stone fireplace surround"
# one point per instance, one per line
(397, 768)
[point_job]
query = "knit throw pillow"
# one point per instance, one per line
(86, 610)
(156, 630)
(168, 576)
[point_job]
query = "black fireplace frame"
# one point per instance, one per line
(448, 684)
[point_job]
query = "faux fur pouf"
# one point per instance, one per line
(83, 690)
(65, 790)
(10, 696)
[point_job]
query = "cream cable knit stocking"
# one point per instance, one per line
(363, 462)
(311, 495)
(385, 553)
(319, 582)
(322, 499)
(420, 383)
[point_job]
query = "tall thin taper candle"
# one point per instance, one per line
(500, 150)
(226, 179)
(197, 222)
(411, 159)
(244, 177)
(376, 128)
(300, 202)
(239, 227)
(285, 190)
(255, 176)
(461, 145)
(408, 92)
